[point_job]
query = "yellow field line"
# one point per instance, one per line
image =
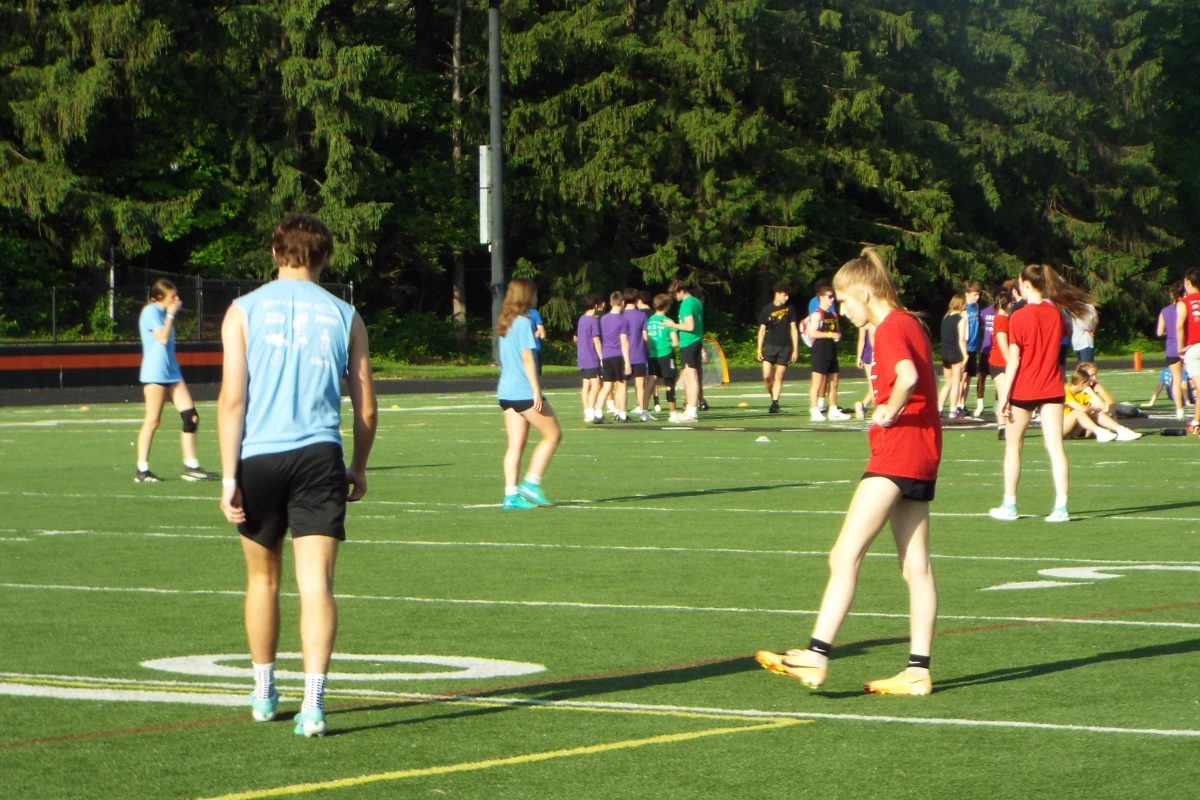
(472, 766)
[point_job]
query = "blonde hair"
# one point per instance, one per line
(518, 298)
(868, 271)
(957, 304)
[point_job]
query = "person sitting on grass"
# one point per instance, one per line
(1085, 413)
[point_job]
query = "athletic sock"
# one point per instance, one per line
(1060, 501)
(819, 647)
(919, 662)
(509, 491)
(264, 680)
(143, 466)
(536, 480)
(314, 691)
(1010, 500)
(191, 463)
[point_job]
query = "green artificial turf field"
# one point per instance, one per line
(602, 649)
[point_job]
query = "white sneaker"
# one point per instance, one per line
(645, 416)
(978, 408)
(1059, 515)
(1004, 513)
(689, 415)
(675, 418)
(657, 408)
(837, 415)
(1127, 435)
(1105, 436)
(816, 414)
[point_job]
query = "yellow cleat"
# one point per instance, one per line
(915, 683)
(793, 664)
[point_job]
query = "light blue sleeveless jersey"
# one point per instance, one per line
(297, 350)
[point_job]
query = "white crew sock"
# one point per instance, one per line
(314, 691)
(264, 680)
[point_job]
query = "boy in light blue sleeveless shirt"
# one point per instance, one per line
(287, 347)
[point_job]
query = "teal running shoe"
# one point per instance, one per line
(310, 723)
(263, 708)
(533, 494)
(517, 502)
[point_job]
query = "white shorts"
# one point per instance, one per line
(1191, 359)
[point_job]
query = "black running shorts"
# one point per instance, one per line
(303, 489)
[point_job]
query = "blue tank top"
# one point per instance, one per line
(297, 351)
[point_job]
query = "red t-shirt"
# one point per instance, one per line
(1037, 330)
(1191, 322)
(997, 356)
(912, 446)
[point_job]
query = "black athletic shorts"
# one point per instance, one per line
(519, 406)
(612, 369)
(994, 370)
(972, 364)
(590, 374)
(637, 370)
(1034, 405)
(1173, 360)
(824, 357)
(910, 488)
(663, 367)
(303, 489)
(690, 356)
(778, 355)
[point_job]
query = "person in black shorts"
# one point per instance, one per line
(281, 452)
(825, 334)
(778, 342)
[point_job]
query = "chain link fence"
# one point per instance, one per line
(98, 312)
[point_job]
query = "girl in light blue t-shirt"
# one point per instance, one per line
(520, 396)
(159, 375)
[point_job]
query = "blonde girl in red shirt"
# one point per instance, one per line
(897, 486)
(1034, 382)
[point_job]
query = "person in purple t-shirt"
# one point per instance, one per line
(614, 358)
(587, 352)
(987, 326)
(635, 319)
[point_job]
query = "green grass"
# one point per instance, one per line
(673, 556)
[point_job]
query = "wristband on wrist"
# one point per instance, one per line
(229, 481)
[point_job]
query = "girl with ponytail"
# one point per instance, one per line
(1034, 381)
(906, 447)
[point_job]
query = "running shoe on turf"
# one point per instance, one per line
(1005, 513)
(704, 405)
(517, 502)
(793, 664)
(146, 476)
(1059, 515)
(835, 414)
(263, 708)
(310, 723)
(774, 408)
(1127, 435)
(533, 494)
(816, 415)
(915, 683)
(197, 474)
(1104, 436)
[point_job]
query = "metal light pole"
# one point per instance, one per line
(496, 172)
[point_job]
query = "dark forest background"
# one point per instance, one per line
(732, 143)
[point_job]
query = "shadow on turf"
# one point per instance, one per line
(390, 467)
(556, 690)
(1117, 512)
(701, 492)
(1051, 667)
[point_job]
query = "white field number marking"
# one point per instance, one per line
(465, 667)
(1084, 576)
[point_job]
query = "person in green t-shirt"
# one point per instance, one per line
(661, 342)
(691, 335)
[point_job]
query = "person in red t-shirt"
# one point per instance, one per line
(1187, 333)
(906, 448)
(997, 355)
(1033, 381)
